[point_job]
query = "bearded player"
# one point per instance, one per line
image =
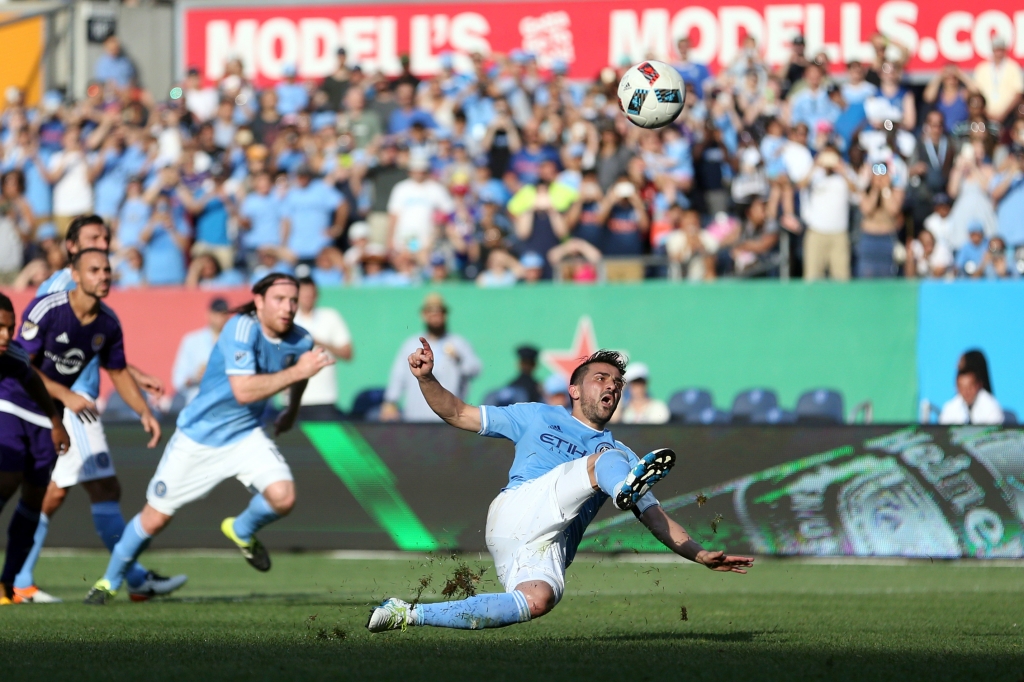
(89, 462)
(259, 353)
(566, 465)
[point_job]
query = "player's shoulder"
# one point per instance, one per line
(39, 307)
(241, 329)
(16, 354)
(109, 312)
(57, 282)
(298, 336)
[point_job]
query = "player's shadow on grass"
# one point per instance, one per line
(291, 598)
(646, 636)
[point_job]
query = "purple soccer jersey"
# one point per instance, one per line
(25, 442)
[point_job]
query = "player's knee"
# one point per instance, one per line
(103, 490)
(280, 496)
(54, 499)
(540, 597)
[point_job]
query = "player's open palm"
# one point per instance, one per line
(720, 561)
(312, 361)
(421, 362)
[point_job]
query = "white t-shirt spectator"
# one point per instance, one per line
(72, 195)
(190, 362)
(986, 410)
(941, 228)
(798, 160)
(202, 103)
(827, 206)
(655, 412)
(941, 258)
(326, 326)
(415, 205)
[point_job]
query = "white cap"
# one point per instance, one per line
(636, 371)
(359, 230)
(419, 161)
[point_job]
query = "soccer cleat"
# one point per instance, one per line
(100, 593)
(4, 601)
(156, 585)
(253, 551)
(651, 468)
(33, 595)
(391, 615)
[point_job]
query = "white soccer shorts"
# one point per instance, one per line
(188, 470)
(88, 458)
(525, 526)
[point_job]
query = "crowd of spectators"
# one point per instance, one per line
(509, 173)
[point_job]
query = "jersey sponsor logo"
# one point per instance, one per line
(240, 356)
(160, 489)
(562, 445)
(555, 427)
(97, 342)
(63, 338)
(70, 362)
(29, 330)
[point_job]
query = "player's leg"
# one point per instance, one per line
(259, 466)
(626, 479)
(20, 533)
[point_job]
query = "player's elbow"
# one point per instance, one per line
(241, 390)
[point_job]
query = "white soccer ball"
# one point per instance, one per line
(651, 94)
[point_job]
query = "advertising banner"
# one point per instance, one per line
(815, 491)
(587, 36)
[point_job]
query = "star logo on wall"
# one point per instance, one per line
(584, 343)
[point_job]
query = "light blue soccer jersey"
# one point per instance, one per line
(215, 418)
(88, 382)
(546, 437)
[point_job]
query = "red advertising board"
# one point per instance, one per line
(587, 35)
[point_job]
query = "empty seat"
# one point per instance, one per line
(774, 415)
(1009, 418)
(820, 406)
(687, 404)
(709, 415)
(505, 396)
(754, 402)
(366, 406)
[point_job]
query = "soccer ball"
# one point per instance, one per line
(651, 94)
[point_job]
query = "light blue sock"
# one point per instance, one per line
(25, 578)
(256, 515)
(611, 470)
(475, 613)
(109, 522)
(132, 543)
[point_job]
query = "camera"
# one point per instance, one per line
(879, 169)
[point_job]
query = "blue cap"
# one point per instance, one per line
(975, 226)
(560, 66)
(556, 384)
(518, 56)
(437, 258)
(289, 70)
(446, 59)
(531, 259)
(46, 231)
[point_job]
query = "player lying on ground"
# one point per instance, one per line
(260, 352)
(89, 461)
(566, 466)
(31, 438)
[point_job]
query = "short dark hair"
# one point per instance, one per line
(260, 289)
(307, 281)
(78, 256)
(75, 228)
(603, 356)
(6, 305)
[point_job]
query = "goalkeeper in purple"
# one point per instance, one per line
(566, 466)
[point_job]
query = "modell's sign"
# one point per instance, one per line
(585, 35)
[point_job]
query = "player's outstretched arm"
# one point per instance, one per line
(84, 408)
(252, 388)
(443, 402)
(675, 537)
(129, 390)
(36, 390)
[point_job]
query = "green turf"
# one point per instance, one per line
(305, 620)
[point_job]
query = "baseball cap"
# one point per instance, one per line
(359, 230)
(437, 259)
(975, 226)
(998, 42)
(942, 199)
(637, 371)
(527, 353)
(434, 301)
(555, 384)
(531, 259)
(289, 70)
(46, 231)
(798, 39)
(218, 305)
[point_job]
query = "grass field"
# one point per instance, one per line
(305, 621)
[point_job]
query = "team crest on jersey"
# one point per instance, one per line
(29, 330)
(97, 342)
(287, 361)
(103, 460)
(636, 102)
(604, 447)
(160, 489)
(648, 72)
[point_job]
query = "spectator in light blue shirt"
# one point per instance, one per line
(129, 271)
(307, 210)
(292, 96)
(406, 113)
(165, 244)
(812, 104)
(260, 215)
(693, 73)
(1007, 189)
(212, 206)
(114, 65)
(133, 216)
(971, 256)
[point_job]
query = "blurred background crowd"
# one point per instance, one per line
(511, 174)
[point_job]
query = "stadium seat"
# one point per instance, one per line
(1009, 418)
(366, 406)
(687, 404)
(820, 406)
(774, 415)
(709, 415)
(754, 402)
(505, 396)
(118, 412)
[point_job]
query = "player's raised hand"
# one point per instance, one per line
(61, 439)
(312, 361)
(84, 408)
(421, 362)
(151, 426)
(719, 561)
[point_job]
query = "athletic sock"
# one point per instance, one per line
(611, 470)
(25, 578)
(132, 543)
(109, 522)
(258, 514)
(20, 533)
(476, 613)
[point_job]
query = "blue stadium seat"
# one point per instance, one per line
(753, 403)
(687, 404)
(820, 406)
(709, 415)
(1009, 418)
(774, 415)
(366, 406)
(505, 396)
